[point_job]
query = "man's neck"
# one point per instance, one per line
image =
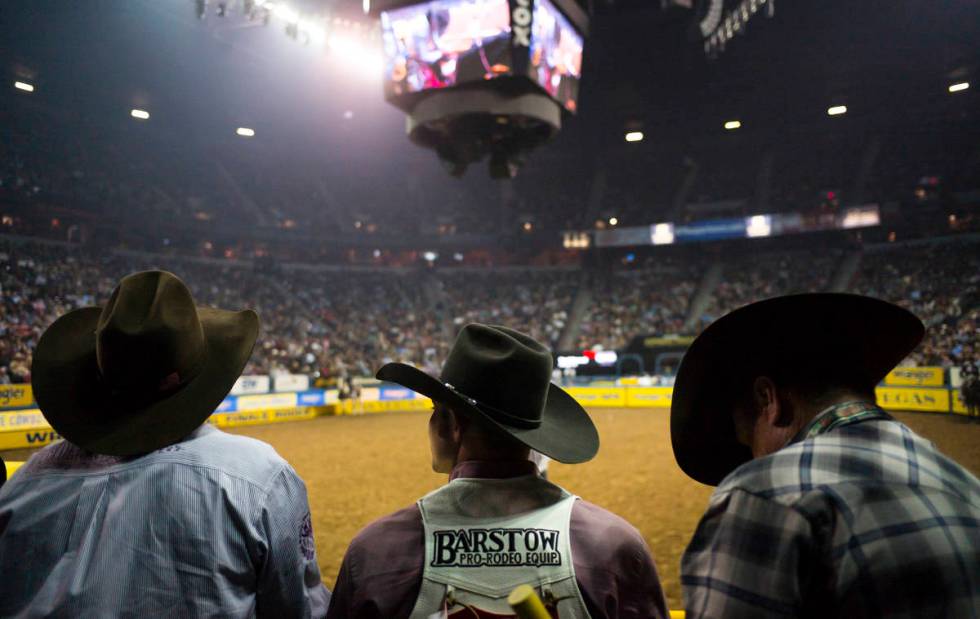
(489, 453)
(812, 411)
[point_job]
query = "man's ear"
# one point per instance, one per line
(768, 404)
(455, 426)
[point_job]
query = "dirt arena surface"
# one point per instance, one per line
(358, 468)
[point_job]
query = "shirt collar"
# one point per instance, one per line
(838, 415)
(493, 469)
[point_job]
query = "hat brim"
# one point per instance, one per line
(566, 433)
(868, 335)
(70, 394)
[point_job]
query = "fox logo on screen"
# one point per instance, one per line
(520, 19)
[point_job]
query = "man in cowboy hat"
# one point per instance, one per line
(497, 524)
(826, 506)
(144, 509)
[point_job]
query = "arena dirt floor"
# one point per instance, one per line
(358, 468)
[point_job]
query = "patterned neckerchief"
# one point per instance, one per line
(838, 415)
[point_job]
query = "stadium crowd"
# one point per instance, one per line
(756, 277)
(330, 323)
(641, 302)
(940, 283)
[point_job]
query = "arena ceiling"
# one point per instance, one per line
(642, 69)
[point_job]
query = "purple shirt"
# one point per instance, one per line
(382, 570)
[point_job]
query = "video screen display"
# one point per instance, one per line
(556, 54)
(443, 43)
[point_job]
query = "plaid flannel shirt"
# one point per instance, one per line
(858, 518)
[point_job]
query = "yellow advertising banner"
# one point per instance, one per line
(358, 407)
(27, 438)
(910, 399)
(244, 418)
(649, 397)
(27, 419)
(599, 396)
(16, 396)
(916, 377)
(266, 401)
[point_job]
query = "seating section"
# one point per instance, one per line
(327, 322)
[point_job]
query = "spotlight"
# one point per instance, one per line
(959, 87)
(837, 110)
(140, 114)
(245, 132)
(732, 124)
(24, 86)
(634, 136)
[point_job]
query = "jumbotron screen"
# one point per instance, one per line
(443, 43)
(556, 54)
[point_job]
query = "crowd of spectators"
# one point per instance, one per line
(326, 323)
(940, 283)
(330, 323)
(760, 276)
(629, 303)
(536, 302)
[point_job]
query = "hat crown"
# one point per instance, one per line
(501, 368)
(149, 337)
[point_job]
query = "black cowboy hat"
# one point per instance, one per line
(821, 336)
(142, 372)
(504, 377)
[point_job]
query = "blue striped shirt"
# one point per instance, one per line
(862, 518)
(214, 526)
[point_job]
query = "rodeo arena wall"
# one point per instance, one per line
(273, 399)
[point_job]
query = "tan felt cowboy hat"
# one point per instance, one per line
(820, 337)
(504, 377)
(142, 372)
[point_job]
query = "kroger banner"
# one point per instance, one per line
(916, 377)
(16, 396)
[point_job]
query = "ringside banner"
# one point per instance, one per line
(290, 382)
(29, 419)
(649, 397)
(909, 399)
(917, 377)
(249, 385)
(266, 401)
(599, 396)
(16, 396)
